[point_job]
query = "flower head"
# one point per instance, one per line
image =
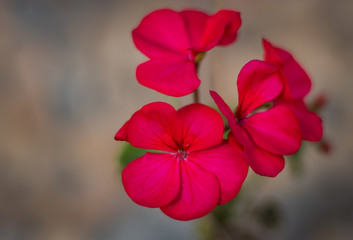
(265, 136)
(296, 85)
(197, 169)
(175, 42)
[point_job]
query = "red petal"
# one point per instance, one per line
(161, 33)
(309, 122)
(225, 110)
(261, 161)
(235, 140)
(211, 35)
(152, 180)
(205, 31)
(195, 24)
(275, 130)
(173, 76)
(150, 127)
(232, 23)
(199, 193)
(270, 53)
(258, 82)
(121, 135)
(297, 78)
(200, 127)
(227, 164)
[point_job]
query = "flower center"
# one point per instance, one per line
(194, 55)
(191, 54)
(181, 154)
(241, 116)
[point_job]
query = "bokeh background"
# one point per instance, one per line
(67, 84)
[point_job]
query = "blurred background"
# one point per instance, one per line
(67, 84)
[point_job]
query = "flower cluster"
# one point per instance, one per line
(195, 169)
(175, 42)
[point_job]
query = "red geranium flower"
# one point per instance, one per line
(175, 42)
(197, 169)
(297, 85)
(265, 136)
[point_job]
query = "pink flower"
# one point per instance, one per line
(265, 136)
(297, 85)
(175, 42)
(197, 169)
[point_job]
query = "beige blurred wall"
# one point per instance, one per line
(67, 83)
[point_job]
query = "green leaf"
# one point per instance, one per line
(129, 153)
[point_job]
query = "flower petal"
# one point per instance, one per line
(227, 164)
(297, 78)
(121, 135)
(195, 24)
(173, 76)
(152, 180)
(199, 127)
(199, 193)
(258, 82)
(150, 127)
(208, 31)
(275, 130)
(232, 23)
(161, 34)
(309, 122)
(211, 35)
(261, 161)
(224, 109)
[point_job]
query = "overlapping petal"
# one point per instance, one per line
(172, 76)
(152, 180)
(258, 82)
(150, 127)
(227, 164)
(208, 31)
(310, 123)
(199, 127)
(161, 33)
(261, 161)
(211, 35)
(195, 24)
(199, 194)
(275, 130)
(232, 23)
(296, 76)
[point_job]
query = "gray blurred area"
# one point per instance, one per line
(67, 84)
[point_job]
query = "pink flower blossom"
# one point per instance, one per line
(297, 85)
(175, 42)
(196, 169)
(265, 136)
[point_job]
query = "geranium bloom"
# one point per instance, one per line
(197, 169)
(175, 42)
(297, 85)
(265, 136)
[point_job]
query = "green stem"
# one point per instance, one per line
(197, 60)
